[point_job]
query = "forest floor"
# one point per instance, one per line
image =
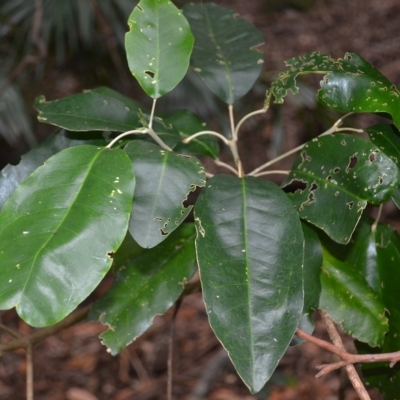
(74, 365)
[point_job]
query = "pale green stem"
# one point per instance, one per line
(222, 164)
(275, 172)
(233, 146)
(152, 113)
(119, 137)
(378, 217)
(232, 122)
(246, 117)
(218, 135)
(158, 140)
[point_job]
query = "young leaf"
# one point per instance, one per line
(250, 254)
(349, 300)
(147, 286)
(340, 174)
(350, 84)
(224, 52)
(163, 181)
(188, 124)
(59, 229)
(12, 175)
(100, 109)
(384, 244)
(158, 46)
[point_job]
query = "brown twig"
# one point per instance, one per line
(30, 340)
(171, 348)
(29, 372)
(350, 369)
(10, 331)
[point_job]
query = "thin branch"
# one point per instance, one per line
(10, 331)
(218, 135)
(153, 107)
(41, 334)
(277, 171)
(222, 164)
(378, 217)
(157, 139)
(350, 369)
(29, 372)
(171, 348)
(132, 132)
(232, 122)
(246, 117)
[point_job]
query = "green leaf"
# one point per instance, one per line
(350, 301)
(163, 181)
(188, 124)
(224, 52)
(384, 245)
(158, 46)
(59, 228)
(250, 254)
(350, 84)
(12, 175)
(100, 109)
(147, 286)
(334, 177)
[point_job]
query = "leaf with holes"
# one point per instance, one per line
(380, 260)
(350, 301)
(163, 181)
(250, 254)
(12, 175)
(356, 86)
(148, 286)
(224, 52)
(158, 46)
(334, 177)
(100, 109)
(350, 84)
(58, 228)
(188, 124)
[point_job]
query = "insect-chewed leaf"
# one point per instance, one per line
(147, 286)
(350, 84)
(99, 109)
(224, 52)
(334, 177)
(163, 181)
(250, 254)
(158, 46)
(58, 229)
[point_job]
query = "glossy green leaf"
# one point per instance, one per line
(147, 286)
(350, 301)
(188, 124)
(12, 175)
(384, 246)
(100, 109)
(350, 84)
(59, 228)
(334, 177)
(250, 254)
(158, 46)
(224, 52)
(163, 181)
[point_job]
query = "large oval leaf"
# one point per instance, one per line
(59, 228)
(334, 177)
(147, 286)
(163, 181)
(350, 301)
(93, 110)
(12, 175)
(158, 46)
(223, 53)
(250, 254)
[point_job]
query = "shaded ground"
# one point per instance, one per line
(73, 365)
